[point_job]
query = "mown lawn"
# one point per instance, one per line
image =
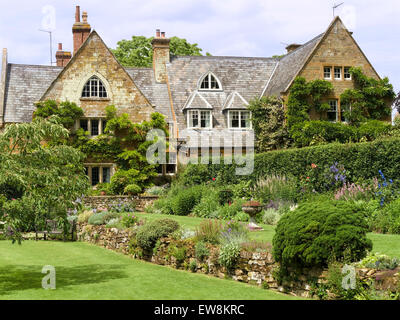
(382, 243)
(85, 271)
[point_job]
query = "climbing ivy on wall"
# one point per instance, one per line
(370, 99)
(303, 97)
(123, 142)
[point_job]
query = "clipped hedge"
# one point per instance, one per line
(361, 161)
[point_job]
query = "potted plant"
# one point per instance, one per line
(252, 208)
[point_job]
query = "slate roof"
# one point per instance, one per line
(24, 86)
(289, 66)
(246, 76)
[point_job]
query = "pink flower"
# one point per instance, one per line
(213, 179)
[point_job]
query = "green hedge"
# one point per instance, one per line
(361, 160)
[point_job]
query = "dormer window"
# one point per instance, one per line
(210, 82)
(94, 88)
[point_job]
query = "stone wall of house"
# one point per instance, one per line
(256, 268)
(95, 59)
(108, 202)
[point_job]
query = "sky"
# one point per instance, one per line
(255, 28)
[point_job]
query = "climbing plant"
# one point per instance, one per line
(67, 112)
(370, 99)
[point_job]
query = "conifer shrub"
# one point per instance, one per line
(151, 232)
(319, 231)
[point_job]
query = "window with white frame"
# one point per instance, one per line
(338, 73)
(210, 82)
(347, 74)
(239, 119)
(328, 73)
(199, 119)
(98, 173)
(94, 88)
(95, 127)
(332, 113)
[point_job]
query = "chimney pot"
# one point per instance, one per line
(158, 33)
(162, 34)
(60, 47)
(85, 16)
(78, 14)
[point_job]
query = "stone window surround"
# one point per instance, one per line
(332, 73)
(90, 166)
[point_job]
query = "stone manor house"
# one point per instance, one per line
(200, 96)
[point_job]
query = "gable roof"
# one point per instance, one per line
(292, 64)
(197, 101)
(235, 101)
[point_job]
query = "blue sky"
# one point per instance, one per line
(221, 27)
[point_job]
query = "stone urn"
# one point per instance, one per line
(252, 208)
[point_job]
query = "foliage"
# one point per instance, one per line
(138, 51)
(67, 112)
(268, 121)
(271, 217)
(48, 175)
(129, 220)
(318, 231)
(101, 217)
(369, 100)
(275, 187)
(193, 266)
(379, 262)
(185, 200)
(234, 231)
(387, 219)
(355, 192)
(201, 251)
(305, 96)
(148, 234)
(229, 211)
(179, 253)
(209, 231)
(84, 216)
(361, 161)
(323, 179)
(229, 254)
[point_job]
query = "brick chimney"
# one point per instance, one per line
(62, 57)
(292, 47)
(160, 56)
(80, 30)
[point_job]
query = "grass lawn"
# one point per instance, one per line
(382, 243)
(85, 271)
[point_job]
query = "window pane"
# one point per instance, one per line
(94, 88)
(95, 127)
(95, 176)
(332, 112)
(206, 83)
(83, 123)
(245, 119)
(347, 74)
(327, 73)
(234, 117)
(338, 73)
(193, 119)
(205, 119)
(106, 175)
(214, 83)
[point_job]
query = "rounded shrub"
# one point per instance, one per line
(148, 234)
(317, 231)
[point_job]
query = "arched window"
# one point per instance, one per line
(210, 82)
(94, 88)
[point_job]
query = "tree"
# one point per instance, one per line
(68, 112)
(268, 119)
(138, 51)
(397, 103)
(40, 177)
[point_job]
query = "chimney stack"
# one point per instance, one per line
(292, 47)
(80, 30)
(62, 57)
(161, 56)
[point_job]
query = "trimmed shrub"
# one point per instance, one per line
(361, 161)
(319, 231)
(148, 234)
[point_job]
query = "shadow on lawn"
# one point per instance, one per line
(17, 278)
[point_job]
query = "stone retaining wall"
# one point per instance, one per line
(107, 202)
(252, 267)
